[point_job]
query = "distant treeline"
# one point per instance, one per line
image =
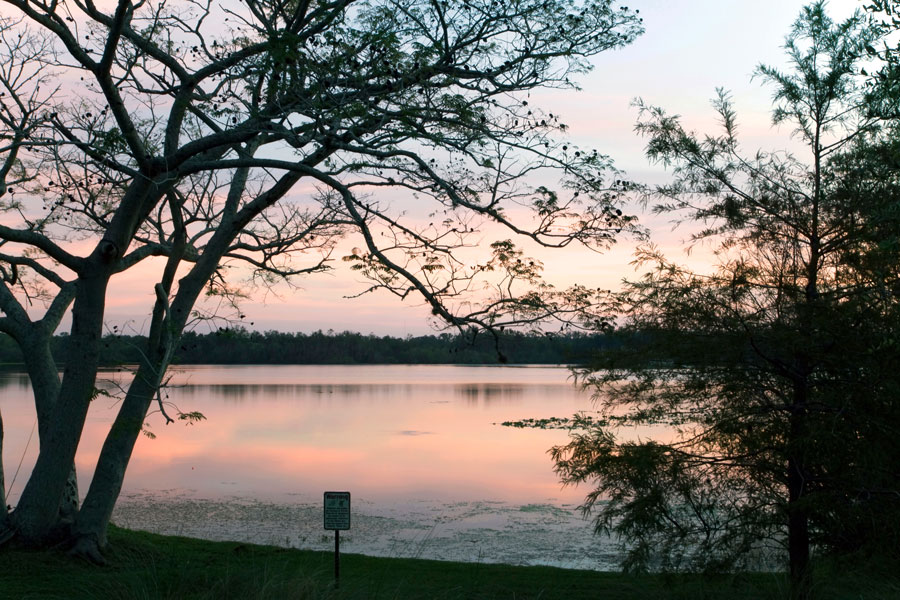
(239, 346)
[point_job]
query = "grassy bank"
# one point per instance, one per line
(147, 566)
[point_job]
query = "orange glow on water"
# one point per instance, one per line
(386, 432)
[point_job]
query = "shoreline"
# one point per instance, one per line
(482, 531)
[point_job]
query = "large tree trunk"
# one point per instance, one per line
(36, 517)
(34, 340)
(44, 376)
(798, 533)
(45, 385)
(797, 508)
(93, 518)
(165, 330)
(37, 513)
(166, 327)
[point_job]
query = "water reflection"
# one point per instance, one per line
(475, 393)
(15, 380)
(276, 392)
(472, 393)
(385, 432)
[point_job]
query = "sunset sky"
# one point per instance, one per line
(690, 47)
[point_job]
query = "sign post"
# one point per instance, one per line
(337, 518)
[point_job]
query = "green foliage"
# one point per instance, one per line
(191, 417)
(777, 372)
(239, 346)
(884, 80)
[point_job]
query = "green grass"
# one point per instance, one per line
(147, 566)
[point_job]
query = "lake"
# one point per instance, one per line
(431, 471)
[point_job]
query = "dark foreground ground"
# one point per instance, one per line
(147, 566)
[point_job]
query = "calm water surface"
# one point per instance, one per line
(387, 433)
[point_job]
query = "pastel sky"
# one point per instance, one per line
(690, 47)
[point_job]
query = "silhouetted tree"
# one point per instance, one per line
(237, 141)
(777, 372)
(884, 78)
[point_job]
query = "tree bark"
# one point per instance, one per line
(798, 512)
(93, 518)
(798, 536)
(166, 327)
(36, 515)
(45, 384)
(44, 376)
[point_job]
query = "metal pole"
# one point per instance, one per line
(337, 557)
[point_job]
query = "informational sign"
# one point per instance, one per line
(337, 510)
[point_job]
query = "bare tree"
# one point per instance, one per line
(208, 135)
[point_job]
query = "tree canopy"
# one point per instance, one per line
(776, 372)
(232, 144)
(235, 345)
